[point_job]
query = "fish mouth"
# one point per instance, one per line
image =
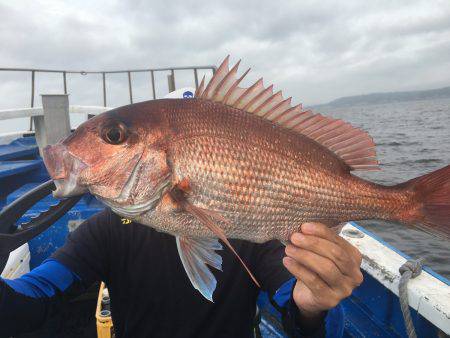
(64, 169)
(68, 188)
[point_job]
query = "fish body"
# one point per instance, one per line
(263, 179)
(235, 163)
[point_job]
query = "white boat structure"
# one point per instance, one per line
(373, 310)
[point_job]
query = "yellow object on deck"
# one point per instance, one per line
(103, 314)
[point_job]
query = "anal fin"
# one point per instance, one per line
(196, 254)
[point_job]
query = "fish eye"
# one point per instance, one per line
(115, 134)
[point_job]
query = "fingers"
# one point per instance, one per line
(322, 231)
(309, 278)
(322, 266)
(327, 249)
(323, 263)
(324, 296)
(325, 253)
(318, 230)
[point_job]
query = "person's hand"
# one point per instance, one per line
(326, 266)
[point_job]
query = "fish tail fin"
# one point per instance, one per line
(432, 211)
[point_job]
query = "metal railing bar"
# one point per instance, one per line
(196, 78)
(153, 84)
(65, 82)
(129, 87)
(152, 71)
(172, 74)
(8, 114)
(104, 89)
(32, 88)
(32, 97)
(82, 72)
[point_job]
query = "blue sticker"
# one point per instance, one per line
(188, 95)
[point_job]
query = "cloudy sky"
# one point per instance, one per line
(315, 51)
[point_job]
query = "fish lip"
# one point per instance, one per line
(54, 157)
(68, 188)
(64, 168)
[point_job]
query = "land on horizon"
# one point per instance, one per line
(388, 97)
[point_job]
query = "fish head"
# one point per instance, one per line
(118, 156)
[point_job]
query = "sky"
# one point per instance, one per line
(315, 51)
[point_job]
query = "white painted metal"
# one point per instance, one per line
(55, 124)
(8, 114)
(427, 294)
(18, 263)
(37, 113)
(94, 110)
(180, 93)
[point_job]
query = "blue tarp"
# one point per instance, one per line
(11, 168)
(23, 147)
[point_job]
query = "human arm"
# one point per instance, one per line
(26, 303)
(31, 301)
(279, 284)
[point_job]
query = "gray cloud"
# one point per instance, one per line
(314, 51)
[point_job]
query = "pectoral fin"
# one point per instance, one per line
(207, 218)
(195, 254)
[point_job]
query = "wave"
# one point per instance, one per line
(396, 144)
(423, 161)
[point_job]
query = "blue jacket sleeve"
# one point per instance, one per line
(331, 327)
(26, 303)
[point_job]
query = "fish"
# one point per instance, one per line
(235, 163)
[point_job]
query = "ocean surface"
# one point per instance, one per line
(412, 138)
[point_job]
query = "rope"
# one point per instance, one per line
(411, 269)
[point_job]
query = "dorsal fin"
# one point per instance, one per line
(353, 145)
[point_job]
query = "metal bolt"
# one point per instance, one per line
(353, 233)
(105, 313)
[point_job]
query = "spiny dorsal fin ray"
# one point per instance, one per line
(220, 73)
(226, 83)
(354, 146)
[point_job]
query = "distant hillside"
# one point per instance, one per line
(378, 98)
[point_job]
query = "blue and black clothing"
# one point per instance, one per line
(150, 293)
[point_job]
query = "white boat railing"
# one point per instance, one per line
(8, 114)
(171, 80)
(103, 73)
(427, 294)
(52, 120)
